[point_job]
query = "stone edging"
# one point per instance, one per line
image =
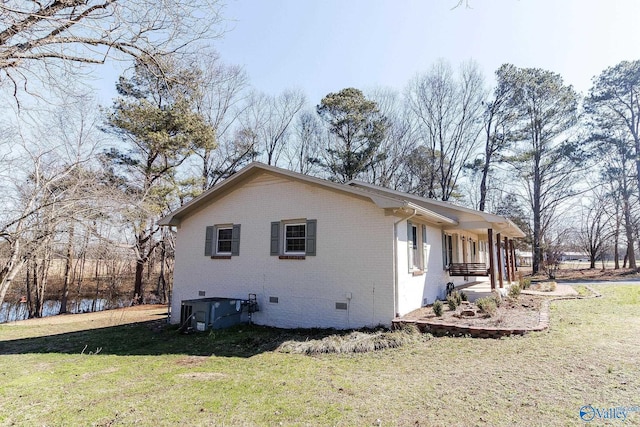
(451, 329)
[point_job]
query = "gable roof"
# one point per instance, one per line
(445, 214)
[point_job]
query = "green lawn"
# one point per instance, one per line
(149, 376)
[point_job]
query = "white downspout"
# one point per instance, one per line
(396, 277)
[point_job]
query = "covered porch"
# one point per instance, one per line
(496, 266)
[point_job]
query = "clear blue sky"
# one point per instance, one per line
(322, 46)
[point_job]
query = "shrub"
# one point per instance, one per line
(525, 282)
(454, 300)
(463, 297)
(437, 308)
(496, 297)
(487, 305)
(457, 297)
(514, 291)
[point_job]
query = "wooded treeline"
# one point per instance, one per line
(82, 182)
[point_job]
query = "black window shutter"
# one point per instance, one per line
(444, 251)
(311, 237)
(275, 238)
(235, 240)
(208, 240)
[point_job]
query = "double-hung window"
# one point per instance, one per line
(222, 241)
(293, 239)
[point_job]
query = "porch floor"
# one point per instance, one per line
(479, 289)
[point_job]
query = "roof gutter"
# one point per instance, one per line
(396, 277)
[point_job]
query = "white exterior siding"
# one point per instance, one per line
(415, 291)
(354, 256)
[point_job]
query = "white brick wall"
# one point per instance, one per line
(354, 255)
(414, 290)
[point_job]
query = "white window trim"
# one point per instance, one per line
(449, 248)
(417, 256)
(414, 251)
(217, 231)
(284, 238)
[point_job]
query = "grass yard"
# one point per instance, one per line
(146, 375)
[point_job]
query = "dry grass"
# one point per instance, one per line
(156, 377)
(356, 342)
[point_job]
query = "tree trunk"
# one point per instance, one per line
(616, 239)
(30, 307)
(628, 226)
(42, 276)
(10, 270)
(67, 271)
(138, 288)
(33, 309)
(636, 140)
(537, 231)
(83, 261)
(161, 290)
(483, 182)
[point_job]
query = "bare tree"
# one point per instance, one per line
(398, 143)
(221, 92)
(593, 234)
(305, 148)
(240, 144)
(37, 37)
(617, 174)
(448, 111)
(281, 110)
(49, 188)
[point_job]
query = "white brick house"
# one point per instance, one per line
(321, 254)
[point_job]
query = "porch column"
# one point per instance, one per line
(492, 266)
(513, 255)
(499, 254)
(507, 260)
(512, 249)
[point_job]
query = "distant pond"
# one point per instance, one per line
(10, 312)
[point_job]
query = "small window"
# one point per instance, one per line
(222, 241)
(223, 244)
(295, 238)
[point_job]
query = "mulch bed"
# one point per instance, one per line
(520, 313)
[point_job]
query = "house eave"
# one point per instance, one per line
(382, 201)
(430, 216)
